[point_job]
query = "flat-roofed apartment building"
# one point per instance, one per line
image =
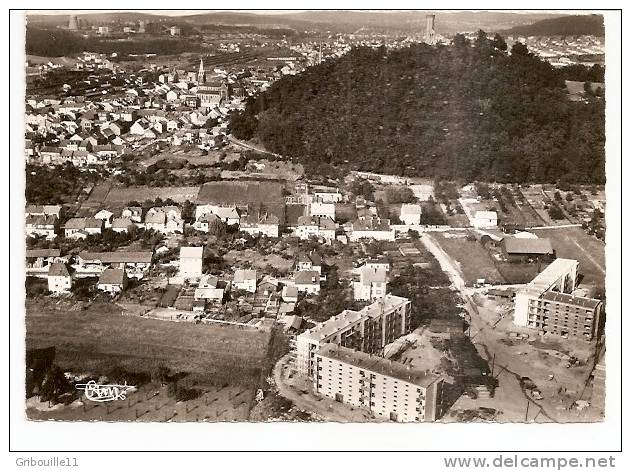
(368, 330)
(546, 304)
(386, 388)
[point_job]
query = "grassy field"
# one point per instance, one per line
(473, 259)
(99, 338)
(119, 196)
(575, 243)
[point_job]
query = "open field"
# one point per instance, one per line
(473, 259)
(238, 258)
(119, 196)
(99, 338)
(575, 243)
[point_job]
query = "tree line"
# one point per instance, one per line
(470, 110)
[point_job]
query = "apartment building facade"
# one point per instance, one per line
(565, 315)
(386, 388)
(547, 304)
(368, 330)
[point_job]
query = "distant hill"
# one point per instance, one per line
(448, 112)
(447, 22)
(95, 18)
(577, 25)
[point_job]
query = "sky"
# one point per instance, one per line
(156, 12)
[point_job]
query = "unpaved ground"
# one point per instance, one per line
(511, 361)
(299, 391)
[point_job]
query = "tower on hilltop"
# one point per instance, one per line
(430, 33)
(73, 23)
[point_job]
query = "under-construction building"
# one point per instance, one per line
(547, 304)
(368, 330)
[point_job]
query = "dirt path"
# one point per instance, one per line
(510, 397)
(591, 259)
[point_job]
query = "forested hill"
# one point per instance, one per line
(451, 111)
(576, 25)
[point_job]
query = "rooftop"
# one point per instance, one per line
(528, 246)
(347, 317)
(58, 269)
(377, 365)
(36, 253)
(112, 276)
(544, 280)
(117, 257)
(571, 300)
(244, 275)
(191, 252)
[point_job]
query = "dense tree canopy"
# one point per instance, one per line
(470, 111)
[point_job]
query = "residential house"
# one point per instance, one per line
(290, 294)
(59, 278)
(323, 210)
(311, 261)
(307, 282)
(484, 220)
(41, 226)
(113, 281)
(105, 216)
(313, 226)
(206, 221)
(191, 259)
(229, 215)
(165, 219)
(135, 264)
(245, 280)
(411, 214)
(80, 228)
(367, 227)
(372, 284)
(122, 225)
(208, 289)
(266, 224)
(38, 261)
(134, 213)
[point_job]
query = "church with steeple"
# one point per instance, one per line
(201, 75)
(210, 94)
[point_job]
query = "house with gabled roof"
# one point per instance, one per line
(82, 227)
(245, 280)
(59, 278)
(113, 281)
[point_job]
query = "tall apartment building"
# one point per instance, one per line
(386, 388)
(368, 330)
(546, 304)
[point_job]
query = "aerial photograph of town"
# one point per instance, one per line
(314, 216)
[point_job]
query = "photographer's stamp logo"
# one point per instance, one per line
(105, 392)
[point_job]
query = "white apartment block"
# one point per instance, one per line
(559, 276)
(368, 330)
(386, 388)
